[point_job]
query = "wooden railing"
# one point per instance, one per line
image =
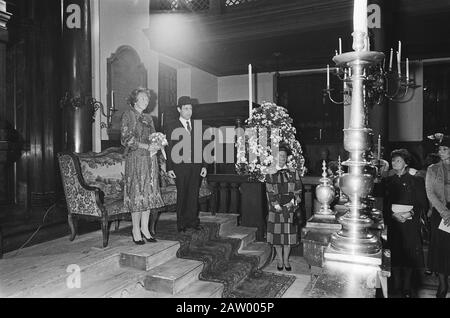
(227, 192)
(236, 194)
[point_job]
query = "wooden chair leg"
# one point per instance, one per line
(72, 225)
(105, 231)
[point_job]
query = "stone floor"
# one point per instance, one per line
(301, 272)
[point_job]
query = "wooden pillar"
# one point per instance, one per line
(380, 23)
(77, 69)
(32, 93)
(5, 166)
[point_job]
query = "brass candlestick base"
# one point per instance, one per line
(354, 240)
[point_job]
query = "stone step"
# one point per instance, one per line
(260, 249)
(197, 289)
(173, 276)
(247, 235)
(154, 255)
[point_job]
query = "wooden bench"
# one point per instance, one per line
(93, 188)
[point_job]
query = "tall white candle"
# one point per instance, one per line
(399, 58)
(112, 100)
(360, 16)
(250, 91)
(340, 46)
(390, 59)
(379, 148)
(407, 68)
(328, 76)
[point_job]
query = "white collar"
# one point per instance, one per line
(184, 121)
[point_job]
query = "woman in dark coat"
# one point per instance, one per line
(402, 189)
(438, 191)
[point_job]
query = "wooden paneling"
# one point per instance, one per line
(167, 89)
(33, 70)
(126, 72)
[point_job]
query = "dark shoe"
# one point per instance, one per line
(441, 294)
(406, 294)
(280, 268)
(149, 240)
(141, 242)
(288, 268)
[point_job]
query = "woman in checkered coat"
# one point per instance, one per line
(284, 189)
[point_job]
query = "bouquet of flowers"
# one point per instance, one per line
(271, 125)
(159, 141)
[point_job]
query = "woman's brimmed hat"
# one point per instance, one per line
(284, 147)
(440, 139)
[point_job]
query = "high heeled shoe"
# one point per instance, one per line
(149, 240)
(141, 242)
(287, 268)
(280, 268)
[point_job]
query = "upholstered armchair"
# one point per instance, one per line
(93, 187)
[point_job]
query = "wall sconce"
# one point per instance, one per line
(97, 105)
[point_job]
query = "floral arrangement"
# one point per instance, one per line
(269, 125)
(159, 140)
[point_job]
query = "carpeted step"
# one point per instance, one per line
(261, 250)
(246, 235)
(152, 256)
(173, 276)
(226, 220)
(221, 258)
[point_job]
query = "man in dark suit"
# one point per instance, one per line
(185, 163)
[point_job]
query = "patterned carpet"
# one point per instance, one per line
(223, 264)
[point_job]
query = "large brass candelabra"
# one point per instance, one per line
(355, 239)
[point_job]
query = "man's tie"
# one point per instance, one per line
(188, 126)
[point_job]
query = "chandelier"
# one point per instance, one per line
(381, 82)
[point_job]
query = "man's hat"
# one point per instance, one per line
(185, 100)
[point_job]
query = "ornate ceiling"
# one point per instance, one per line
(291, 35)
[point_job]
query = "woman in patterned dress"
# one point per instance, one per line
(141, 191)
(283, 188)
(437, 184)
